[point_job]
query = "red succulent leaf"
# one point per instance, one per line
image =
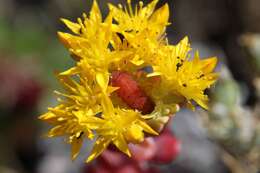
(144, 151)
(129, 168)
(168, 148)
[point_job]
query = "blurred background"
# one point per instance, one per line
(224, 140)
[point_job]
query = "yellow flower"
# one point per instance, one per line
(183, 79)
(141, 20)
(143, 30)
(120, 127)
(75, 116)
(67, 124)
(91, 42)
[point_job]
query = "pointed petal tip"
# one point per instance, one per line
(128, 153)
(165, 8)
(185, 39)
(59, 33)
(110, 6)
(95, 8)
(154, 133)
(214, 59)
(41, 117)
(89, 159)
(62, 35)
(73, 157)
(63, 19)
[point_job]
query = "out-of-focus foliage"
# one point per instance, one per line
(32, 42)
(233, 126)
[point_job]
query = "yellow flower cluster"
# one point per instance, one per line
(132, 41)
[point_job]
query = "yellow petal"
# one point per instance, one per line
(147, 128)
(95, 14)
(57, 131)
(121, 144)
(182, 48)
(111, 89)
(134, 134)
(49, 117)
(71, 41)
(65, 38)
(102, 80)
(161, 15)
(100, 145)
(108, 108)
(71, 71)
(118, 14)
(209, 64)
(75, 147)
(89, 134)
(196, 59)
(92, 122)
(203, 102)
(109, 19)
(148, 10)
(74, 27)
